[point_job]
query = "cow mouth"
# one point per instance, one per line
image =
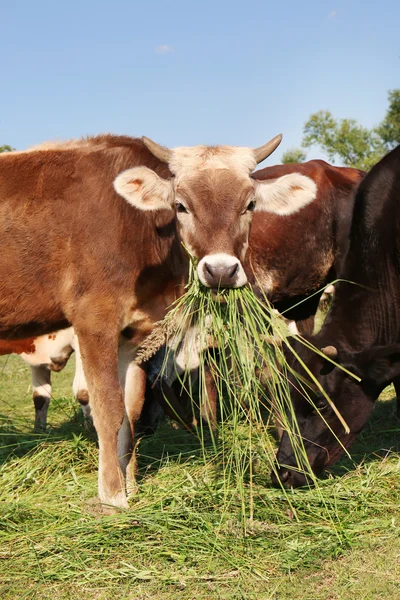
(217, 296)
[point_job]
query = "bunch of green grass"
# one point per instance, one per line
(241, 343)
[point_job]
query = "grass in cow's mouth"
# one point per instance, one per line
(240, 341)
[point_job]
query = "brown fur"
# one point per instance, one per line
(75, 252)
(302, 252)
(17, 346)
(212, 192)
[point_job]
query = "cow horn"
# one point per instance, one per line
(160, 152)
(330, 351)
(263, 152)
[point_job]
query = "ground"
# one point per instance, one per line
(194, 530)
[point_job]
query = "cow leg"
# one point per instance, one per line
(100, 363)
(79, 386)
(41, 384)
(208, 401)
(133, 380)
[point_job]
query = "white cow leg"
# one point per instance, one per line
(133, 382)
(41, 384)
(79, 386)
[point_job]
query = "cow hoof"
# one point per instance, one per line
(40, 427)
(114, 502)
(97, 509)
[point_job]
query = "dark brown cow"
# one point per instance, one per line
(361, 332)
(77, 251)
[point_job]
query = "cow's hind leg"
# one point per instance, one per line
(100, 362)
(41, 385)
(79, 386)
(133, 380)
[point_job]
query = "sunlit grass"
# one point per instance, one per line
(184, 535)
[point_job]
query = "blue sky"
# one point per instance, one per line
(186, 72)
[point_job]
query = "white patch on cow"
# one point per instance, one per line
(186, 161)
(286, 195)
(144, 189)
(41, 381)
(79, 385)
(41, 385)
(187, 356)
(56, 345)
(290, 324)
(330, 289)
(225, 260)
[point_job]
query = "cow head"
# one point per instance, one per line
(213, 196)
(323, 434)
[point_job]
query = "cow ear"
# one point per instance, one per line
(144, 189)
(285, 195)
(382, 366)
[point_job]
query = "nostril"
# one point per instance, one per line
(209, 270)
(233, 271)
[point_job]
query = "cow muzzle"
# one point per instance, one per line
(221, 271)
(289, 478)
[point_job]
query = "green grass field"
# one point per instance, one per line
(190, 532)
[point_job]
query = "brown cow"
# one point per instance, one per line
(46, 354)
(77, 252)
(290, 259)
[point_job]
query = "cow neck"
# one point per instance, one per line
(369, 313)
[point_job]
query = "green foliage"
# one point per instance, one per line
(347, 141)
(389, 129)
(6, 148)
(293, 155)
(355, 145)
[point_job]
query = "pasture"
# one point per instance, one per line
(191, 532)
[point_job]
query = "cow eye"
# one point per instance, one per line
(181, 208)
(251, 206)
(321, 404)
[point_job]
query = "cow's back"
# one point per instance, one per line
(64, 230)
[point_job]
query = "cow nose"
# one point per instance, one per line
(289, 478)
(221, 275)
(221, 271)
(280, 477)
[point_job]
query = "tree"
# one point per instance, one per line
(6, 148)
(293, 155)
(389, 129)
(348, 141)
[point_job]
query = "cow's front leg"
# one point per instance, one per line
(41, 385)
(100, 363)
(209, 399)
(133, 382)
